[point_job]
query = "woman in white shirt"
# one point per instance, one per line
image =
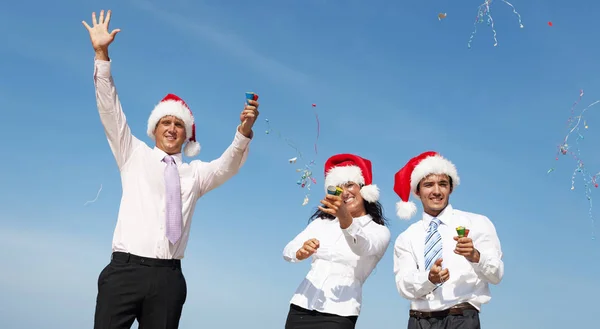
(346, 238)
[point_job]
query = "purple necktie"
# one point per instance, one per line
(173, 189)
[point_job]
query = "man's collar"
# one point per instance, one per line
(160, 154)
(445, 216)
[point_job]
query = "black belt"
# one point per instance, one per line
(131, 258)
(454, 310)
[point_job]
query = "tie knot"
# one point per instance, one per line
(169, 159)
(434, 223)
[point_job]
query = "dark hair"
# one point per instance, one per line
(373, 208)
(449, 181)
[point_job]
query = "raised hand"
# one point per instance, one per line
(99, 34)
(309, 248)
(248, 118)
(438, 275)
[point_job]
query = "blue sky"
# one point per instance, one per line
(390, 81)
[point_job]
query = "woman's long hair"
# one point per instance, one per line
(373, 208)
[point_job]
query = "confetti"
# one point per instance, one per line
(441, 16)
(483, 12)
(306, 178)
(574, 128)
(97, 195)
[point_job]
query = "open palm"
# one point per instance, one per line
(99, 34)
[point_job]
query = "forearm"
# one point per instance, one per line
(111, 114)
(291, 249)
(228, 164)
(290, 252)
(414, 285)
(102, 55)
(411, 282)
(366, 242)
(489, 267)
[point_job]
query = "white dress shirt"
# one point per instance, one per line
(468, 281)
(343, 262)
(140, 228)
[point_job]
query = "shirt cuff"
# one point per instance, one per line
(483, 261)
(102, 69)
(291, 259)
(240, 140)
(427, 286)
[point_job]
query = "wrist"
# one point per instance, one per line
(345, 222)
(431, 280)
(246, 133)
(102, 54)
(476, 256)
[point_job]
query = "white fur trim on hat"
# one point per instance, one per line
(370, 192)
(191, 149)
(406, 210)
(433, 165)
(337, 176)
(174, 108)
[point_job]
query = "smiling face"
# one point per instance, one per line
(434, 192)
(170, 134)
(353, 199)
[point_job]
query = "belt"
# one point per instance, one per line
(454, 310)
(131, 258)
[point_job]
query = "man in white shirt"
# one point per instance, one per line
(144, 280)
(443, 273)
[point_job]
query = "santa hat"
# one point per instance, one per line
(408, 178)
(175, 106)
(343, 168)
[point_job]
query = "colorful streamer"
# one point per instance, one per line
(575, 123)
(306, 178)
(483, 12)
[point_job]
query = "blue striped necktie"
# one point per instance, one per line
(433, 244)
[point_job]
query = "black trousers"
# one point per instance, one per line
(468, 320)
(151, 291)
(300, 318)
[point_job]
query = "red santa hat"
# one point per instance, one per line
(407, 179)
(175, 106)
(343, 168)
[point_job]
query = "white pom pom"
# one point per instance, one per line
(191, 149)
(405, 210)
(370, 193)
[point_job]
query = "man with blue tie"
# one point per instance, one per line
(443, 273)
(144, 280)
